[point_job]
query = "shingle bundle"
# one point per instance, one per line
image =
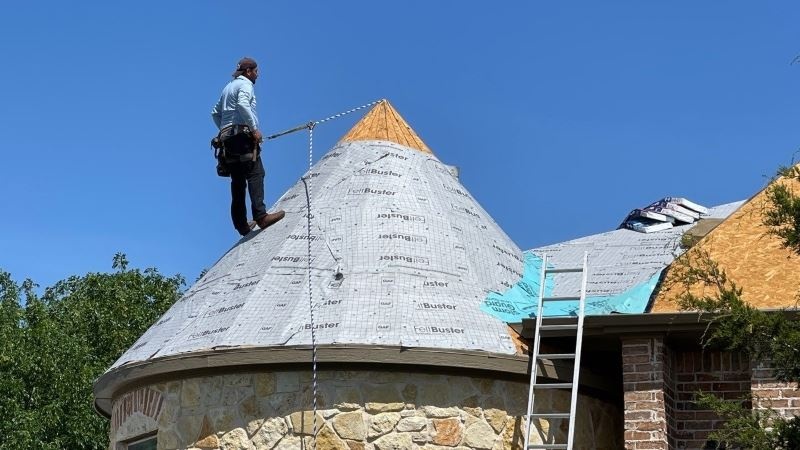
(664, 214)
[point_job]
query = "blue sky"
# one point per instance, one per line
(562, 116)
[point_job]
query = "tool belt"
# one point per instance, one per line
(227, 154)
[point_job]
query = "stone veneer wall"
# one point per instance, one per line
(369, 410)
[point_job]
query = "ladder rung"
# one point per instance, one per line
(550, 415)
(573, 326)
(553, 386)
(547, 446)
(557, 356)
(568, 298)
(567, 270)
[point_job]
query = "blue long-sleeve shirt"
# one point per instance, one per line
(236, 105)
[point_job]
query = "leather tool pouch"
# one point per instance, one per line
(219, 155)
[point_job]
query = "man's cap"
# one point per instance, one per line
(243, 65)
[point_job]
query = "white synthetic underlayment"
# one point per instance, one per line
(620, 259)
(417, 252)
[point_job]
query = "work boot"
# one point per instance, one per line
(245, 230)
(267, 220)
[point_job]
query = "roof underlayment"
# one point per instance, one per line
(624, 269)
(754, 259)
(401, 255)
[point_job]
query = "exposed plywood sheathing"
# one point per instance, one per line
(755, 260)
(384, 123)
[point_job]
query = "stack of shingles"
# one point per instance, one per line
(664, 214)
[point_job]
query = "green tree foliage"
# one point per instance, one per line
(764, 336)
(773, 337)
(53, 346)
(782, 214)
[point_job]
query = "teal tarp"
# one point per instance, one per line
(520, 302)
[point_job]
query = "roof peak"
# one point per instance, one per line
(384, 123)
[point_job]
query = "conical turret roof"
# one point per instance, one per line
(384, 123)
(402, 261)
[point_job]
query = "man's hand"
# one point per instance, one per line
(257, 136)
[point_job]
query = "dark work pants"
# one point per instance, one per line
(247, 175)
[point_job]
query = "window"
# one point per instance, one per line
(148, 443)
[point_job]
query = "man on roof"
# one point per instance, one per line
(240, 136)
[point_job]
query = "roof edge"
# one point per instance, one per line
(637, 324)
(111, 384)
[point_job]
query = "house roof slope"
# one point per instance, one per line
(624, 265)
(754, 259)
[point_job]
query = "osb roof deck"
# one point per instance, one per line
(384, 123)
(754, 259)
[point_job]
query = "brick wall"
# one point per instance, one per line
(725, 374)
(645, 377)
(782, 397)
(660, 388)
(661, 385)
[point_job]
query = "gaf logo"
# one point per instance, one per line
(404, 237)
(281, 305)
(266, 328)
(403, 217)
(383, 327)
(438, 330)
(296, 282)
(335, 219)
(163, 321)
(436, 306)
(404, 258)
(290, 197)
(371, 191)
(385, 303)
(336, 284)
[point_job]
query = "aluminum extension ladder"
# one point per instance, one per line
(536, 357)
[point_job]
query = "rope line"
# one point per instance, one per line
(310, 292)
(344, 113)
(306, 182)
(309, 125)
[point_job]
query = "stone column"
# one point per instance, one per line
(648, 393)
